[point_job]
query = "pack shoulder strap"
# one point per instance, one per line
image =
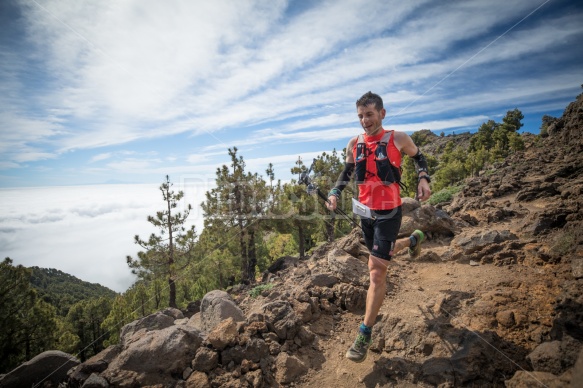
(385, 139)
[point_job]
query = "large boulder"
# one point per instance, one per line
(95, 381)
(547, 357)
(347, 268)
(96, 364)
(320, 280)
(280, 264)
(155, 357)
(205, 360)
(225, 334)
(545, 221)
(255, 349)
(426, 218)
(476, 241)
(173, 312)
(409, 205)
(555, 356)
(350, 297)
(135, 329)
(48, 367)
(288, 368)
(282, 319)
(195, 322)
(353, 245)
(198, 380)
(217, 306)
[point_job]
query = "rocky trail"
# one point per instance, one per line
(443, 306)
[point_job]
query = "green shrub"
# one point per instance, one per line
(256, 291)
(445, 195)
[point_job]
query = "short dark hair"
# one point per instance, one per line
(370, 98)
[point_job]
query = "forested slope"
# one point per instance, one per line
(63, 290)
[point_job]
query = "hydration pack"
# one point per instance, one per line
(386, 170)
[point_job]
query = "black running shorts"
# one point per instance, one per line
(380, 233)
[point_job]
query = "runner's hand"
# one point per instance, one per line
(423, 190)
(332, 202)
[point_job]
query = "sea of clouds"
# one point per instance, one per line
(85, 231)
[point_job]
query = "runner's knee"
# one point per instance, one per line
(378, 270)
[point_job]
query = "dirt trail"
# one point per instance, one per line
(417, 294)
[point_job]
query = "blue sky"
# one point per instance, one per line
(101, 91)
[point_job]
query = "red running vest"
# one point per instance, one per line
(373, 192)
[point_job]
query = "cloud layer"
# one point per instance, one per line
(86, 231)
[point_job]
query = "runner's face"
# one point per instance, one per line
(371, 119)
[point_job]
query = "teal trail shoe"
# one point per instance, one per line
(359, 348)
(414, 252)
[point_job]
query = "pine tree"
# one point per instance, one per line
(483, 138)
(123, 311)
(476, 160)
(238, 203)
(166, 257)
(85, 318)
(303, 211)
(327, 168)
(512, 122)
(29, 325)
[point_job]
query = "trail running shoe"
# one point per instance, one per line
(359, 348)
(414, 252)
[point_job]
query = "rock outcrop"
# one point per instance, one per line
(47, 369)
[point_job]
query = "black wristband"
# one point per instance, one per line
(426, 177)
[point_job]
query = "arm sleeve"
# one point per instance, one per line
(343, 179)
(420, 162)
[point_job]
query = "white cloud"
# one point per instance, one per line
(7, 165)
(203, 157)
(86, 231)
(127, 62)
(29, 155)
(527, 91)
(351, 128)
(133, 164)
(21, 137)
(120, 64)
(100, 157)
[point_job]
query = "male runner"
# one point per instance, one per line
(374, 159)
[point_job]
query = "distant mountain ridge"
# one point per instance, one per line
(63, 290)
